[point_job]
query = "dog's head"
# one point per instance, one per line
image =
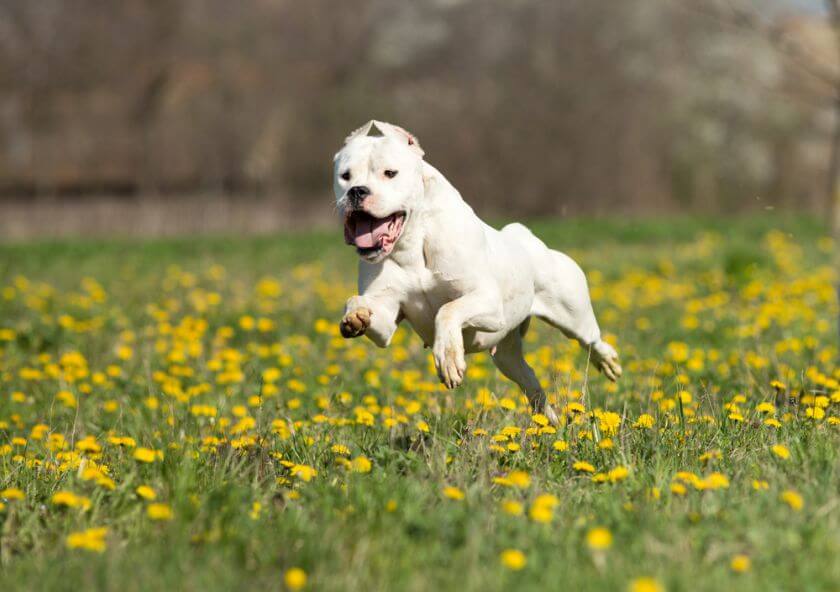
(378, 183)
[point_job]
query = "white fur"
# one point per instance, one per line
(462, 285)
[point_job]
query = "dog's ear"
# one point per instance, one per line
(396, 132)
(362, 131)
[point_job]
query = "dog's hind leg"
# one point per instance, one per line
(510, 361)
(562, 300)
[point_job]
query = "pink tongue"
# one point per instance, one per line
(369, 231)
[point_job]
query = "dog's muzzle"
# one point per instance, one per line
(370, 235)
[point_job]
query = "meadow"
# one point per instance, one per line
(183, 415)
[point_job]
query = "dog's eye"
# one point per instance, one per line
(390, 173)
(345, 175)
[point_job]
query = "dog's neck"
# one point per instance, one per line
(409, 250)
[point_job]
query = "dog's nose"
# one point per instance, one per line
(357, 194)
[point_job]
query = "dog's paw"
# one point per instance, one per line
(551, 414)
(355, 322)
(449, 362)
(606, 359)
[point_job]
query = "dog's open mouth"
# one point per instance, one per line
(372, 236)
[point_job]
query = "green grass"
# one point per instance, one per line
(706, 313)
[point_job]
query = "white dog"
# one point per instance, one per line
(463, 286)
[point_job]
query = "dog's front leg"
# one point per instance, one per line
(377, 318)
(480, 309)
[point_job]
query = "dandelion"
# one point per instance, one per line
(760, 485)
(453, 493)
(507, 403)
(146, 492)
(539, 419)
(542, 508)
(599, 539)
(618, 474)
(781, 451)
(513, 559)
(295, 578)
(92, 539)
(644, 422)
(69, 499)
(124, 442)
(361, 464)
(583, 467)
(303, 472)
(609, 422)
(645, 585)
(740, 564)
(147, 455)
(711, 455)
(793, 499)
(678, 489)
(765, 407)
(12, 494)
(519, 479)
(340, 449)
(159, 512)
(713, 481)
(512, 507)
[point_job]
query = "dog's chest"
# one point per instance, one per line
(426, 293)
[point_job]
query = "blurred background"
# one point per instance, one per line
(162, 117)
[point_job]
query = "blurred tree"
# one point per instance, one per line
(531, 107)
(833, 198)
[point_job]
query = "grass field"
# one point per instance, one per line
(184, 416)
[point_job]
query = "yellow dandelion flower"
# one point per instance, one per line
(12, 494)
(519, 479)
(361, 464)
(159, 512)
(69, 499)
(766, 407)
(453, 493)
(678, 489)
(512, 507)
(295, 578)
(303, 472)
(645, 585)
(539, 419)
(793, 499)
(147, 455)
(146, 492)
(599, 539)
(760, 485)
(92, 539)
(340, 449)
(618, 474)
(740, 564)
(644, 422)
(513, 559)
(542, 508)
(781, 451)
